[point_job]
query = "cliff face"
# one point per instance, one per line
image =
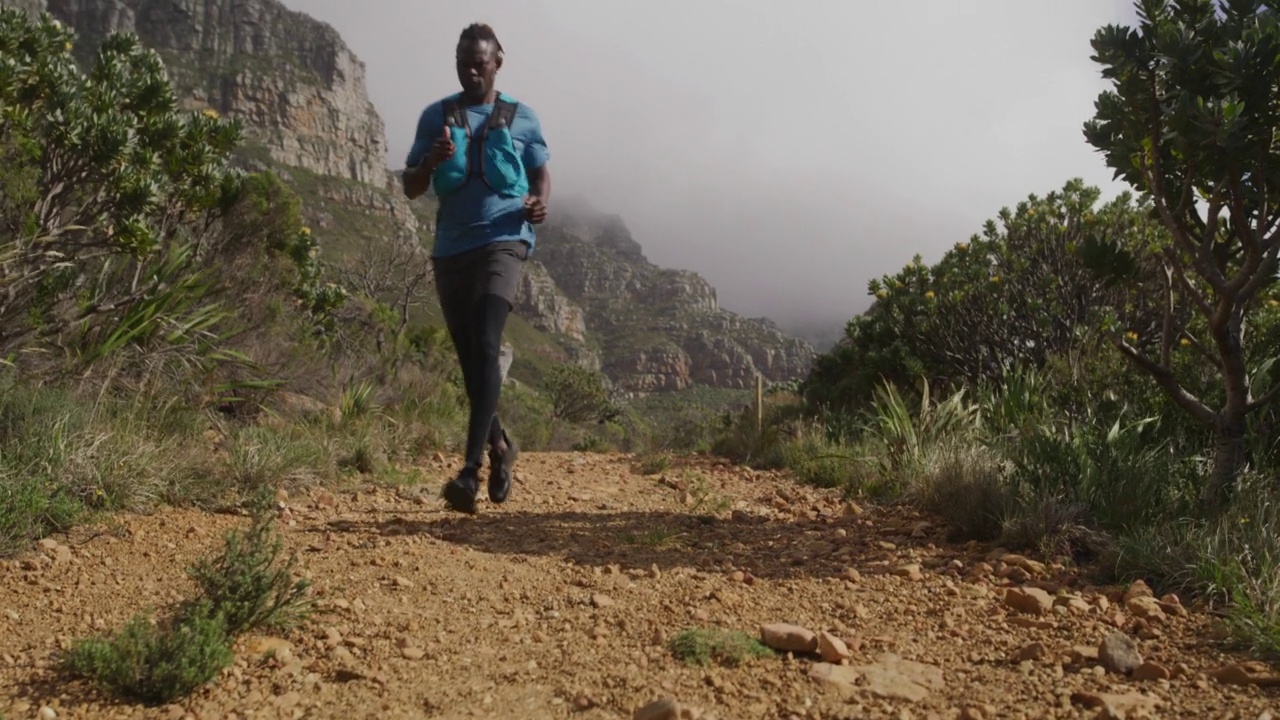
(300, 92)
(659, 329)
(290, 78)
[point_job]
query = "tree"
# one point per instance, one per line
(580, 395)
(1017, 294)
(123, 222)
(1191, 119)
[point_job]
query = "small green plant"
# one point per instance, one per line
(242, 589)
(819, 462)
(357, 400)
(654, 464)
(703, 646)
(154, 663)
(705, 500)
(248, 585)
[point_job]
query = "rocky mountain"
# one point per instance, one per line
(589, 296)
(659, 329)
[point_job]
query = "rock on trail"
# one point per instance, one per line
(562, 602)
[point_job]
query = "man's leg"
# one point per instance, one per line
(489, 320)
(494, 280)
(456, 292)
(457, 280)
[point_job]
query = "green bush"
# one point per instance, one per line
(249, 585)
(702, 646)
(156, 664)
(1232, 559)
(578, 394)
(246, 587)
(819, 462)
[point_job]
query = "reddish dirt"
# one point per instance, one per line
(559, 604)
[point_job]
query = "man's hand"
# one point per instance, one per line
(442, 149)
(417, 179)
(535, 209)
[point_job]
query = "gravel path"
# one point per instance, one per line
(560, 603)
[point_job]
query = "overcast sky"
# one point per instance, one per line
(786, 151)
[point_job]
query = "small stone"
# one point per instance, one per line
(737, 576)
(910, 572)
(268, 645)
(832, 649)
(851, 575)
(403, 583)
(47, 713)
(332, 638)
(601, 601)
(971, 713)
(1148, 671)
(664, 709)
(1246, 674)
(413, 653)
(1029, 600)
(1128, 705)
(1084, 655)
(1119, 653)
(1137, 590)
(788, 638)
(1034, 651)
(1147, 608)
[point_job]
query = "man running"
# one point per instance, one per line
(485, 154)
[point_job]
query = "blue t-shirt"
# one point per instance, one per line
(475, 215)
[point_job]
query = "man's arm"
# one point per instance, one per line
(416, 177)
(540, 183)
(415, 180)
(536, 157)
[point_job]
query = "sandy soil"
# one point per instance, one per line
(559, 604)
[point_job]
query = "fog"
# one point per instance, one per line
(786, 151)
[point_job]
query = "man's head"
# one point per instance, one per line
(479, 57)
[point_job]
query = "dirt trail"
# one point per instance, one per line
(559, 604)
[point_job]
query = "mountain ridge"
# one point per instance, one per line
(589, 296)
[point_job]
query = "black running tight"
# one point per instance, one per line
(477, 336)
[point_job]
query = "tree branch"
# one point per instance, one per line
(1166, 379)
(1269, 397)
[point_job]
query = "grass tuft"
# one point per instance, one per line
(704, 646)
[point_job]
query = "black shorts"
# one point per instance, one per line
(493, 269)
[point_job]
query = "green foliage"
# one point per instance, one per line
(905, 437)
(578, 394)
(248, 584)
(1190, 119)
(125, 230)
(821, 462)
(1018, 294)
(64, 456)
(653, 463)
(117, 176)
(1231, 559)
(702, 646)
(155, 664)
(244, 588)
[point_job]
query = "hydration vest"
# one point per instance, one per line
(501, 168)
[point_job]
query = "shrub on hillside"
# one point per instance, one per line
(246, 587)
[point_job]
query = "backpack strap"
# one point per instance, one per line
(504, 112)
(455, 115)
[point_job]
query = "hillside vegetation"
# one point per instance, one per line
(1094, 381)
(171, 330)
